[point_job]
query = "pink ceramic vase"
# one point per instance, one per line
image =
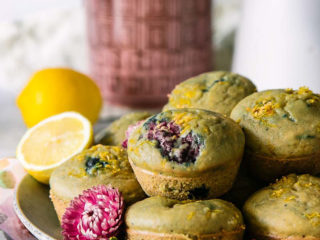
(140, 49)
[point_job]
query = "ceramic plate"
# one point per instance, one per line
(34, 207)
(35, 210)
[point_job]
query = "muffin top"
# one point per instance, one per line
(281, 123)
(194, 218)
(114, 134)
(97, 165)
(184, 142)
(290, 207)
(216, 91)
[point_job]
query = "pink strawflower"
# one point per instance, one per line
(95, 214)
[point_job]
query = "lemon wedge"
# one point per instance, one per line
(52, 141)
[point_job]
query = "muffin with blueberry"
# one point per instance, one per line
(186, 153)
(114, 134)
(282, 129)
(174, 220)
(288, 210)
(215, 91)
(99, 165)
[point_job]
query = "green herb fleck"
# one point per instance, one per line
(306, 136)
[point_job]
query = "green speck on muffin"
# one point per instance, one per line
(306, 136)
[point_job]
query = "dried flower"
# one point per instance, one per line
(95, 214)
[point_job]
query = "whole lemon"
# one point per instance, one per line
(55, 90)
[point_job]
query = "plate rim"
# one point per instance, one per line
(34, 230)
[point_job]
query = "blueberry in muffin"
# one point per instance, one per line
(99, 165)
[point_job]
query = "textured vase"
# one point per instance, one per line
(140, 49)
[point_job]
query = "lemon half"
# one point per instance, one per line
(52, 141)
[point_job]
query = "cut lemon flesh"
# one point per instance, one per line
(53, 141)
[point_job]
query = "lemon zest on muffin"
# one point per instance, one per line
(186, 94)
(265, 108)
(306, 94)
(132, 141)
(304, 90)
(183, 119)
(190, 93)
(209, 212)
(288, 199)
(314, 215)
(309, 184)
(206, 130)
(78, 174)
(277, 193)
(163, 163)
(136, 151)
(112, 158)
(311, 101)
(184, 101)
(184, 130)
(190, 215)
(289, 90)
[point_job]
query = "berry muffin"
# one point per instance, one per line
(214, 91)
(167, 219)
(186, 153)
(282, 129)
(114, 134)
(286, 210)
(95, 166)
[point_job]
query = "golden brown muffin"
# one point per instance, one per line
(115, 133)
(160, 218)
(282, 129)
(288, 209)
(95, 166)
(215, 91)
(186, 153)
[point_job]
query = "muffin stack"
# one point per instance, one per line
(185, 154)
(188, 155)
